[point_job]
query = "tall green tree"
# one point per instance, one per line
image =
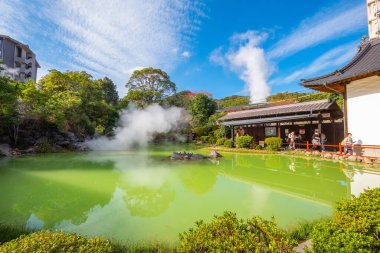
(148, 86)
(109, 91)
(202, 108)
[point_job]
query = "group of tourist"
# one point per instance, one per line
(318, 141)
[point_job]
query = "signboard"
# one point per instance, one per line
(302, 131)
(286, 131)
(326, 115)
(270, 131)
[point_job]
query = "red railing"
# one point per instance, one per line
(339, 147)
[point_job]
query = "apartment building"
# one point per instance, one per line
(18, 59)
(373, 13)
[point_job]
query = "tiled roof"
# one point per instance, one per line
(367, 60)
(311, 107)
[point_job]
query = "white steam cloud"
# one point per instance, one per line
(247, 58)
(137, 127)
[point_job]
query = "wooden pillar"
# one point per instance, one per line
(233, 134)
(333, 127)
(278, 130)
(345, 118)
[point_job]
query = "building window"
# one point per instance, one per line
(19, 51)
(270, 131)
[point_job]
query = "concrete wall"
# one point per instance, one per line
(363, 103)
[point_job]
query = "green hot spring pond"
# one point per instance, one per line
(143, 196)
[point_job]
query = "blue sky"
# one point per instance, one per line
(226, 47)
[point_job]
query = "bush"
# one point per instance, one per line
(204, 139)
(211, 140)
(273, 143)
(258, 147)
(355, 226)
(203, 131)
(10, 232)
(220, 141)
(227, 233)
(244, 141)
(228, 143)
(57, 242)
(220, 132)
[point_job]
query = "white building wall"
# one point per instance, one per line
(363, 110)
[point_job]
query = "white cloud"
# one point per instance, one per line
(333, 58)
(334, 22)
(186, 54)
(111, 37)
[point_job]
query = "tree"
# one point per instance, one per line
(180, 99)
(9, 115)
(149, 86)
(202, 108)
(109, 91)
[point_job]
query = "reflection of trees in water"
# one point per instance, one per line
(39, 186)
(146, 202)
(198, 180)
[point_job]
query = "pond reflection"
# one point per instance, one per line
(140, 195)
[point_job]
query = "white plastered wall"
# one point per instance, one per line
(363, 110)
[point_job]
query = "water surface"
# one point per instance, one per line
(142, 195)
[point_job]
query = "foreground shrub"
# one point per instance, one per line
(220, 141)
(244, 141)
(227, 233)
(204, 139)
(273, 143)
(57, 242)
(355, 226)
(258, 147)
(228, 143)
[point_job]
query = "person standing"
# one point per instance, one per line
(316, 139)
(292, 140)
(323, 141)
(348, 143)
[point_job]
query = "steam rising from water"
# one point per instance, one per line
(137, 127)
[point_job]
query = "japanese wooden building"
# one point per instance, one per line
(359, 82)
(278, 120)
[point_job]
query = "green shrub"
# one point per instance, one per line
(212, 140)
(44, 148)
(355, 226)
(273, 143)
(228, 143)
(203, 131)
(220, 141)
(220, 132)
(244, 141)
(57, 242)
(227, 233)
(204, 139)
(258, 147)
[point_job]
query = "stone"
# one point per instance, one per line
(214, 154)
(367, 160)
(352, 158)
(328, 156)
(308, 153)
(5, 150)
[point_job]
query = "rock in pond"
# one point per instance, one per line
(214, 154)
(186, 156)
